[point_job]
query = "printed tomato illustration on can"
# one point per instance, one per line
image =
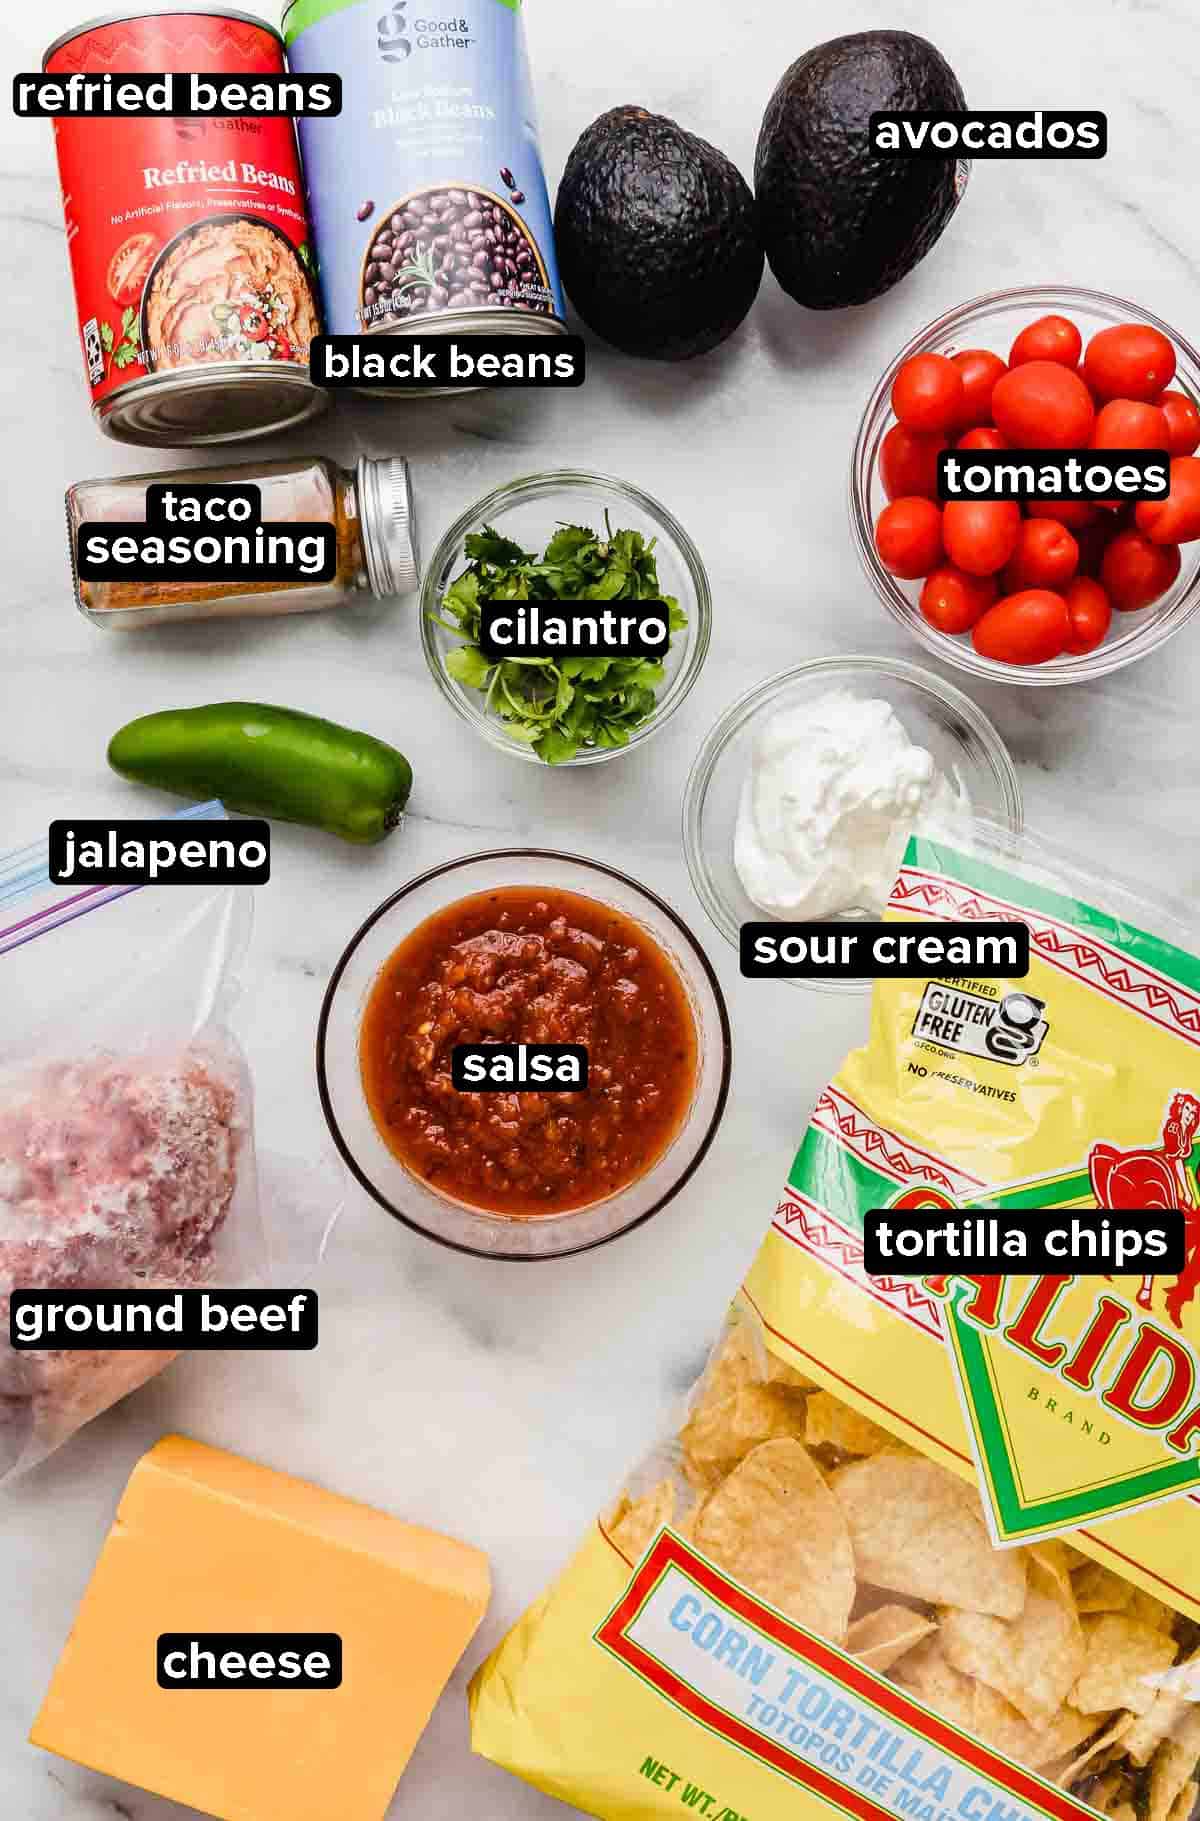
(189, 241)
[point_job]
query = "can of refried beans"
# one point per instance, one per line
(189, 240)
(427, 192)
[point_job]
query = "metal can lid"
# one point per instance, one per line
(214, 402)
(158, 12)
(388, 524)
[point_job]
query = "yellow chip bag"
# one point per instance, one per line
(924, 1545)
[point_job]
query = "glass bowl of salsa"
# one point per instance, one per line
(521, 962)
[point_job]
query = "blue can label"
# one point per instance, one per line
(427, 193)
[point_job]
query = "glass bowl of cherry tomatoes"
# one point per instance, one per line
(1033, 592)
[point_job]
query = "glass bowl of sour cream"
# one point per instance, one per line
(803, 795)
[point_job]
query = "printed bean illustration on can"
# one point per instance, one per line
(427, 192)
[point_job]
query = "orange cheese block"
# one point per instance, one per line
(205, 1542)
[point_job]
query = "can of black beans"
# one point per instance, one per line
(427, 195)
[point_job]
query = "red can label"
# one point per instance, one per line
(189, 237)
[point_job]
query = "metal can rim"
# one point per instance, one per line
(112, 413)
(204, 7)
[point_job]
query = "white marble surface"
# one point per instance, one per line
(498, 1403)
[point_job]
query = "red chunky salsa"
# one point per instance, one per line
(529, 966)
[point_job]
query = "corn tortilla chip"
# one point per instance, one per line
(722, 1432)
(1121, 1654)
(786, 1377)
(743, 1359)
(1061, 1740)
(918, 1529)
(1098, 1589)
(880, 1638)
(1165, 1711)
(999, 1725)
(1184, 1802)
(735, 1409)
(926, 1674)
(1102, 1743)
(775, 1525)
(1075, 1557)
(1052, 1560)
(829, 1421)
(635, 1524)
(1173, 1765)
(1150, 1611)
(996, 1721)
(1113, 1795)
(1032, 1660)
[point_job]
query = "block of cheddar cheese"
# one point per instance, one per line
(206, 1543)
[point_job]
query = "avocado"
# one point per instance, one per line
(657, 237)
(840, 223)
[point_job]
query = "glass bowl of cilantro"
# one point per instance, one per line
(564, 536)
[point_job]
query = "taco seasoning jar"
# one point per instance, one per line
(189, 240)
(427, 191)
(369, 507)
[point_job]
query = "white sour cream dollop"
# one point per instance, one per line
(832, 792)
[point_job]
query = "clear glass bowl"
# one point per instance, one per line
(380, 1171)
(529, 510)
(994, 322)
(933, 713)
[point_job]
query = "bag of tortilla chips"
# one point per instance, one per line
(926, 1547)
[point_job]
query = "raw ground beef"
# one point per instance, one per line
(114, 1173)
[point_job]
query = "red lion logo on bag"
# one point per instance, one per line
(1157, 1178)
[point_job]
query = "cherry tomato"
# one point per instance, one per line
(1183, 422)
(1135, 572)
(1091, 614)
(1041, 405)
(1027, 628)
(980, 370)
(1131, 360)
(985, 437)
(1126, 423)
(1046, 556)
(1075, 514)
(981, 535)
(1049, 338)
(1175, 520)
(908, 462)
(908, 537)
(952, 600)
(1093, 541)
(928, 393)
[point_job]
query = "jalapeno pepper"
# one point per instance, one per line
(272, 762)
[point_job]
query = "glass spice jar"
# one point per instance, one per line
(370, 509)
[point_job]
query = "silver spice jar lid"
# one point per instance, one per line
(388, 525)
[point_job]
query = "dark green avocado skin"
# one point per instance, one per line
(841, 225)
(657, 237)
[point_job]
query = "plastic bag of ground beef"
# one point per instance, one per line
(126, 1141)
(924, 1545)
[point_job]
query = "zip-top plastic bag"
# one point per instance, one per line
(926, 1547)
(126, 1125)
